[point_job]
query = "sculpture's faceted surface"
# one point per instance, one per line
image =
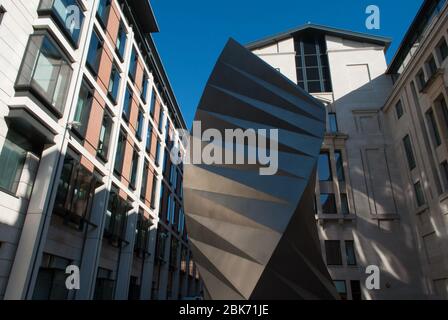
(254, 236)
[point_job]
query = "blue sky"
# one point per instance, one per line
(193, 33)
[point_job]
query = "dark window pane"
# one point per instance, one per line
(139, 124)
(419, 195)
(344, 204)
(127, 104)
(12, 159)
(133, 64)
(341, 288)
(309, 45)
(106, 130)
(356, 290)
(409, 152)
(299, 74)
(314, 86)
(121, 41)
(350, 253)
(399, 109)
(432, 124)
(94, 53)
(324, 168)
(120, 152)
(432, 66)
(144, 180)
(333, 252)
(144, 88)
(339, 165)
(114, 83)
(134, 167)
(442, 49)
(444, 173)
(312, 74)
(311, 61)
(103, 11)
(83, 107)
(328, 203)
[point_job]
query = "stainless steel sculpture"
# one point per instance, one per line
(254, 236)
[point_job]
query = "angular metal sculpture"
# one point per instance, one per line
(254, 236)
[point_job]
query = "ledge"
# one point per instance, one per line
(386, 216)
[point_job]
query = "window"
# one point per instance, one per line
(324, 167)
(50, 283)
(120, 152)
(165, 163)
(328, 203)
(62, 11)
(104, 140)
(134, 167)
(421, 80)
(114, 83)
(144, 88)
(161, 122)
(134, 289)
(153, 192)
(399, 109)
(104, 286)
(94, 53)
(432, 124)
(344, 204)
(133, 64)
(181, 222)
(116, 217)
(350, 252)
(103, 11)
(444, 173)
(139, 124)
(409, 152)
(333, 252)
(12, 159)
(149, 138)
(83, 107)
(419, 195)
(339, 165)
(341, 288)
(121, 41)
(173, 176)
(442, 50)
(157, 156)
(46, 72)
(313, 73)
(356, 290)
(127, 104)
(333, 122)
(431, 66)
(441, 104)
(144, 180)
(161, 194)
(142, 233)
(153, 103)
(169, 208)
(75, 191)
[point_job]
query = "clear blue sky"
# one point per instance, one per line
(193, 33)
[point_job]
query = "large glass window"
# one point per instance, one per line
(333, 252)
(444, 173)
(324, 167)
(103, 11)
(152, 106)
(434, 130)
(339, 165)
(350, 252)
(69, 20)
(142, 233)
(114, 83)
(149, 138)
(157, 156)
(153, 192)
(421, 80)
(409, 152)
(313, 73)
(104, 286)
(105, 132)
(83, 108)
(120, 152)
(116, 217)
(344, 204)
(12, 160)
(45, 71)
(75, 191)
(50, 283)
(121, 41)
(94, 53)
(328, 203)
(431, 66)
(356, 290)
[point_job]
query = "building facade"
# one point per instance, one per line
(383, 172)
(87, 123)
(417, 111)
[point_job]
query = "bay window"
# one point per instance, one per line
(46, 72)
